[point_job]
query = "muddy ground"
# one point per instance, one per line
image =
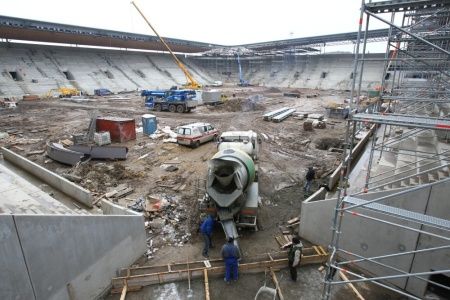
(287, 150)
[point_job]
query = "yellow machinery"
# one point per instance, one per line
(191, 82)
(63, 92)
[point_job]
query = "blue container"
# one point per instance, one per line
(149, 124)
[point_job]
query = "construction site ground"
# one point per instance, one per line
(287, 151)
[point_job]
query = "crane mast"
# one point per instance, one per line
(192, 83)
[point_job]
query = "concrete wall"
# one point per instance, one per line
(294, 71)
(370, 238)
(438, 206)
(110, 208)
(14, 280)
(83, 251)
(67, 187)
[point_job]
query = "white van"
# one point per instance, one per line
(195, 134)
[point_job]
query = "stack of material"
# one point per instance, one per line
(30, 97)
(308, 125)
(279, 114)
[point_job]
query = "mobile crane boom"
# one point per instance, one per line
(192, 83)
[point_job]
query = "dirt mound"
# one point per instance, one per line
(273, 90)
(326, 143)
(239, 104)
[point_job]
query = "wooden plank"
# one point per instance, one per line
(280, 241)
(124, 291)
(277, 285)
(294, 220)
(293, 224)
(205, 274)
(355, 291)
(129, 289)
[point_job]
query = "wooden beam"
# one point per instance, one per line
(124, 290)
(355, 291)
(277, 285)
(149, 275)
(205, 274)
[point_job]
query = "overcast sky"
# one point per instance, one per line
(228, 22)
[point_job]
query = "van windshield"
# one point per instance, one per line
(184, 131)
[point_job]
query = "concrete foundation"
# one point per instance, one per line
(65, 257)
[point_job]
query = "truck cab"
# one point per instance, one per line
(172, 100)
(247, 141)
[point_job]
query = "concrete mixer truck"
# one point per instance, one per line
(232, 182)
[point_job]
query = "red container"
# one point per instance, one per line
(120, 129)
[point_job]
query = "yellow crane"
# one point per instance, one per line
(191, 82)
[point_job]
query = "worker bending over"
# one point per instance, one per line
(230, 254)
(294, 257)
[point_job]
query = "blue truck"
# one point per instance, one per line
(172, 100)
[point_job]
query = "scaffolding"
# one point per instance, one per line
(413, 105)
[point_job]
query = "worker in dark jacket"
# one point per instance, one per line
(310, 175)
(294, 257)
(230, 254)
(206, 229)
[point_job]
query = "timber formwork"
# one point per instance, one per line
(413, 110)
(137, 277)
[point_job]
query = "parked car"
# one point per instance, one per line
(196, 133)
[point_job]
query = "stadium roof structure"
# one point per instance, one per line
(12, 28)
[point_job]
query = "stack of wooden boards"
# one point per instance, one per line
(285, 240)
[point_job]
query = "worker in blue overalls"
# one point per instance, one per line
(230, 254)
(206, 229)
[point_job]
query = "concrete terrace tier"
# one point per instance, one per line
(19, 196)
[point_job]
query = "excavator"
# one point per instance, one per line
(62, 92)
(191, 82)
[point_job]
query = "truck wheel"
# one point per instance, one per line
(196, 144)
(172, 108)
(158, 107)
(180, 109)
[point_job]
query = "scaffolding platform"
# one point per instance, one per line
(403, 120)
(398, 212)
(403, 5)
